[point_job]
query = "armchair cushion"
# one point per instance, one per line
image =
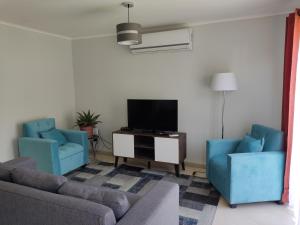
(37, 179)
(250, 144)
(54, 134)
(69, 149)
(32, 129)
(273, 138)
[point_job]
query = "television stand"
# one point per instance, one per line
(167, 147)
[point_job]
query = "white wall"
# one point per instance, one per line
(36, 81)
(107, 74)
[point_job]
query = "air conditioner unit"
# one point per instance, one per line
(164, 41)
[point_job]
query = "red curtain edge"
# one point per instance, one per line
(290, 70)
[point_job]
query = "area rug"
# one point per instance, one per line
(198, 199)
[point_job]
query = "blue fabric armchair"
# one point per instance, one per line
(247, 177)
(51, 157)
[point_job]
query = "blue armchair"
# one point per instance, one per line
(51, 157)
(247, 177)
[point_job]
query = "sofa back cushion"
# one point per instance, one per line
(273, 138)
(29, 206)
(36, 179)
(33, 128)
(115, 200)
(5, 173)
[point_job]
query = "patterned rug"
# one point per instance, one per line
(198, 200)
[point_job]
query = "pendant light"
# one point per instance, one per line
(129, 33)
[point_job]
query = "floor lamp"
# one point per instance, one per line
(224, 82)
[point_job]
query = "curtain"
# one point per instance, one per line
(292, 38)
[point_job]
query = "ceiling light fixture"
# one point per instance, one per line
(129, 33)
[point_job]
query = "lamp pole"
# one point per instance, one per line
(223, 111)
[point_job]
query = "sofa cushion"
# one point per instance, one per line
(250, 144)
(5, 173)
(69, 149)
(54, 134)
(115, 200)
(36, 179)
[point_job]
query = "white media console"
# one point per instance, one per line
(167, 148)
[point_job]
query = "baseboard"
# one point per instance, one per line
(192, 164)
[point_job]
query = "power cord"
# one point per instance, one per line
(107, 144)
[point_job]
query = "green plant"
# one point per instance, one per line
(86, 119)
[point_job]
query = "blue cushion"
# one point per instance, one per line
(69, 149)
(54, 134)
(250, 144)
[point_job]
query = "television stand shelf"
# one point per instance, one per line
(166, 147)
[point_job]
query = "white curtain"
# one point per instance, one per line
(295, 159)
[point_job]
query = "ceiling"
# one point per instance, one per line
(83, 18)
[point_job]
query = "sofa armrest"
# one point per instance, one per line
(43, 151)
(22, 162)
(78, 137)
(255, 176)
(216, 147)
(160, 206)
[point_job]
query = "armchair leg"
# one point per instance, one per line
(233, 206)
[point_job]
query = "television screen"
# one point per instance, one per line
(152, 115)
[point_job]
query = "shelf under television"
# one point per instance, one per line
(144, 146)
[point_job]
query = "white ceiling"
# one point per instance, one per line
(80, 18)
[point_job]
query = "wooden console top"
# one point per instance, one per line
(180, 134)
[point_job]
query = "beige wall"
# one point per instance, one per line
(36, 81)
(106, 75)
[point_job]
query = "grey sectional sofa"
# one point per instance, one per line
(23, 205)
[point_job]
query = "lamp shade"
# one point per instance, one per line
(224, 82)
(129, 34)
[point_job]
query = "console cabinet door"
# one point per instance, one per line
(167, 150)
(123, 145)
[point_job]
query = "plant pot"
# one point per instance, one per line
(88, 129)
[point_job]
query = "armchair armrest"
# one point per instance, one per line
(160, 206)
(256, 176)
(22, 162)
(43, 151)
(216, 147)
(78, 137)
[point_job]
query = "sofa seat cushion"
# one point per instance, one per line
(69, 149)
(36, 179)
(115, 200)
(219, 172)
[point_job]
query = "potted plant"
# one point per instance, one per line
(86, 121)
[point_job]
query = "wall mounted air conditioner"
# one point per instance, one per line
(164, 41)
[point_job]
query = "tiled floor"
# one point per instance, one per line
(253, 214)
(248, 214)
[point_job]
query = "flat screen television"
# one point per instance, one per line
(152, 115)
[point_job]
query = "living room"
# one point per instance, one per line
(228, 71)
